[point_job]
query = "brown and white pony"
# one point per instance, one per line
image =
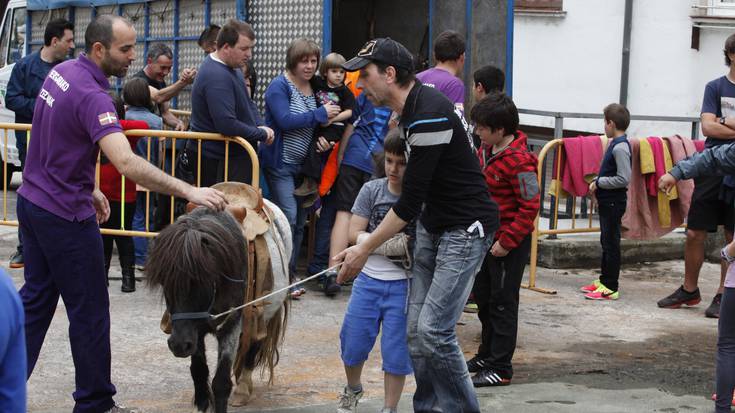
(200, 264)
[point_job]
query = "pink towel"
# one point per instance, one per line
(657, 147)
(583, 157)
(699, 145)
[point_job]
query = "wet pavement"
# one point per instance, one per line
(573, 355)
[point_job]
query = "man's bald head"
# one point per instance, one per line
(101, 30)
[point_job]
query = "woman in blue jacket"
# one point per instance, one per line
(291, 111)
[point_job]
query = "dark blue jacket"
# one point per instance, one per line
(609, 167)
(221, 104)
(280, 119)
(25, 82)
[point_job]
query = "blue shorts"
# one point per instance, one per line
(375, 302)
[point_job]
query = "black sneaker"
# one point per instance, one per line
(331, 288)
(475, 364)
(489, 378)
(16, 260)
(679, 298)
(713, 311)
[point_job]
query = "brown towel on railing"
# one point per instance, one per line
(641, 221)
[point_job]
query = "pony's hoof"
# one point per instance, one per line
(241, 395)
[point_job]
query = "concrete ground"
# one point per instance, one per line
(573, 355)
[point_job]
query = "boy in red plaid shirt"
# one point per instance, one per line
(510, 173)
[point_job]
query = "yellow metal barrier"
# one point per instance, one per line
(161, 134)
(554, 146)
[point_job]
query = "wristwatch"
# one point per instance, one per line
(725, 256)
(722, 120)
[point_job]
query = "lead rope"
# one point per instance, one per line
(257, 300)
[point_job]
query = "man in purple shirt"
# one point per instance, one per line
(59, 207)
(449, 48)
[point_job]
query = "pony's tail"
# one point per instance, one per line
(268, 356)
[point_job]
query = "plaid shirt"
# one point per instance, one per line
(511, 179)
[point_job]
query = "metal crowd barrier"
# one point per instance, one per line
(551, 147)
(551, 210)
(172, 152)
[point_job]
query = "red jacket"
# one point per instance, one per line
(511, 179)
(110, 178)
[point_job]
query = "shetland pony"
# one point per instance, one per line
(200, 264)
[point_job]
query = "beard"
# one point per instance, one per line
(111, 67)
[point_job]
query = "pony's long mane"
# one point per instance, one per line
(195, 252)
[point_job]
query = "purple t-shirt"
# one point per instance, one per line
(72, 113)
(445, 82)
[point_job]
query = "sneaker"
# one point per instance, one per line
(679, 298)
(331, 288)
(602, 293)
(713, 311)
(16, 260)
(489, 378)
(476, 364)
(714, 398)
(120, 409)
(348, 400)
(590, 288)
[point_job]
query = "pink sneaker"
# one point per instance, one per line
(590, 288)
(602, 293)
(714, 397)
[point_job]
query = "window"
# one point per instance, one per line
(17, 36)
(714, 8)
(4, 37)
(538, 5)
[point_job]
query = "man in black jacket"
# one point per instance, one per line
(443, 185)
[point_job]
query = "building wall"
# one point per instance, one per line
(573, 63)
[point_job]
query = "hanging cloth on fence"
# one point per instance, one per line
(641, 219)
(582, 163)
(655, 162)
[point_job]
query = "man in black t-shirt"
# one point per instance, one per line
(444, 186)
(159, 61)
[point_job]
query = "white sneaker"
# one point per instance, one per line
(119, 409)
(348, 400)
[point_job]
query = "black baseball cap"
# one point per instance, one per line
(384, 50)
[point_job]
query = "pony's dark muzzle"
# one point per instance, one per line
(181, 348)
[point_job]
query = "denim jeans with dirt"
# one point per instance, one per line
(444, 271)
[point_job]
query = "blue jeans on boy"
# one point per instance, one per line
(376, 305)
(141, 243)
(323, 234)
(444, 271)
(282, 183)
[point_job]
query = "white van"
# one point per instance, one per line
(12, 48)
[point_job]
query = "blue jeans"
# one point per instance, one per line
(725, 379)
(444, 271)
(323, 234)
(141, 243)
(282, 183)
